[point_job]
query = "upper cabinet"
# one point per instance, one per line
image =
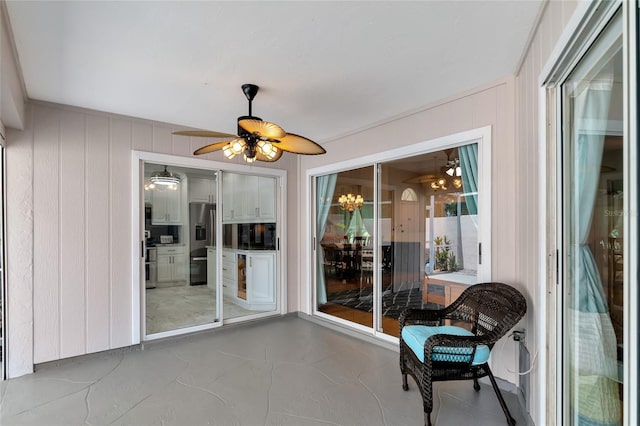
(202, 190)
(248, 198)
(166, 206)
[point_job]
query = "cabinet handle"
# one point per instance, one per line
(257, 211)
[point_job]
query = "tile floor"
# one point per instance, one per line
(283, 371)
(180, 306)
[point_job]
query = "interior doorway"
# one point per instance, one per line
(208, 239)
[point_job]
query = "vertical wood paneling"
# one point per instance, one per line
(98, 307)
(46, 236)
(142, 136)
(120, 212)
(552, 24)
(161, 140)
(72, 236)
(19, 352)
(180, 144)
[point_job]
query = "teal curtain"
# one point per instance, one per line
(469, 164)
(325, 187)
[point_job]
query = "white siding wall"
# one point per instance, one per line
(69, 221)
(528, 215)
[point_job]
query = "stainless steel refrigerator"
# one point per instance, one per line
(202, 225)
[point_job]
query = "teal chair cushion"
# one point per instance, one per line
(416, 335)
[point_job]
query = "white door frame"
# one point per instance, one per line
(579, 34)
(137, 270)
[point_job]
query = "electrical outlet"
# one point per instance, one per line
(518, 335)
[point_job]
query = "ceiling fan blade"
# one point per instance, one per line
(211, 147)
(204, 134)
(261, 157)
(262, 128)
(298, 145)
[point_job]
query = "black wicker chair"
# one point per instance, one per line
(456, 341)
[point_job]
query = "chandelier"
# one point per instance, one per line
(350, 202)
(165, 177)
(450, 172)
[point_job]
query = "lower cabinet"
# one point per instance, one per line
(261, 280)
(229, 274)
(171, 264)
(249, 279)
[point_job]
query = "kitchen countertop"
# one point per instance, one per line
(166, 245)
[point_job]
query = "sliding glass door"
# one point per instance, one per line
(400, 234)
(593, 236)
(211, 248)
(344, 245)
(180, 222)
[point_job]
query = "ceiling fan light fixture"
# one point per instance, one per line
(164, 177)
(228, 152)
(256, 139)
(237, 146)
(267, 149)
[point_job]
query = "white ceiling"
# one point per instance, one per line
(324, 68)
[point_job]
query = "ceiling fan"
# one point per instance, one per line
(256, 139)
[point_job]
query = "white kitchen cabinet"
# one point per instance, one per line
(261, 294)
(166, 206)
(248, 198)
(260, 201)
(202, 190)
(229, 274)
(230, 199)
(171, 263)
(211, 267)
(249, 279)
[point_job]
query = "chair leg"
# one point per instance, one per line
(427, 419)
(510, 420)
(405, 385)
(476, 385)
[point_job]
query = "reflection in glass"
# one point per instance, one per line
(594, 277)
(426, 250)
(429, 230)
(344, 231)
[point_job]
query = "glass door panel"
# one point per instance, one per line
(249, 237)
(180, 212)
(344, 245)
(429, 230)
(593, 170)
